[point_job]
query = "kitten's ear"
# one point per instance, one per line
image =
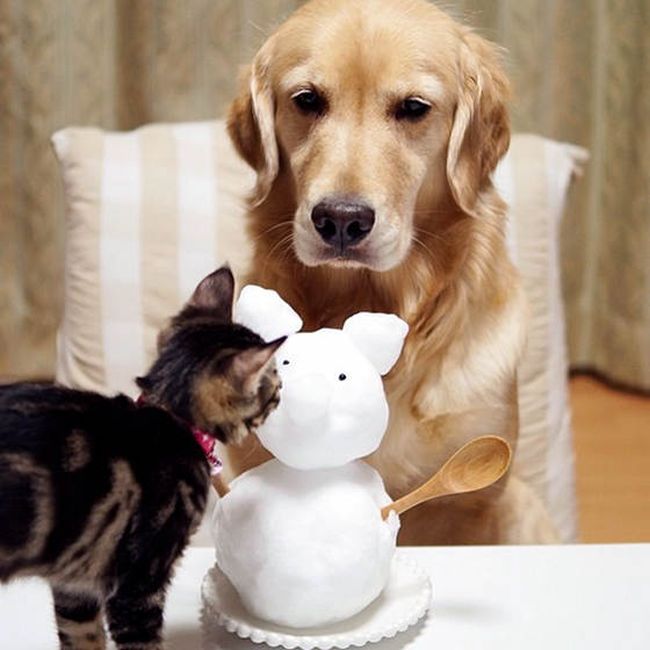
(248, 366)
(215, 293)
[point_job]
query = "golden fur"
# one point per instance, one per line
(436, 255)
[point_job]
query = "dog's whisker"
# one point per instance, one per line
(282, 224)
(428, 233)
(278, 245)
(280, 213)
(424, 247)
(428, 211)
(285, 253)
(264, 31)
(285, 241)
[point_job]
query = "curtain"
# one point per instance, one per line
(580, 71)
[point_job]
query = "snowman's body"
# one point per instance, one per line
(301, 537)
(306, 548)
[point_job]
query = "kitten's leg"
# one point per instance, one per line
(78, 620)
(135, 617)
(135, 610)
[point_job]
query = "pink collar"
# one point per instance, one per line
(207, 442)
(209, 445)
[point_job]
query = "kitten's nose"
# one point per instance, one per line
(342, 223)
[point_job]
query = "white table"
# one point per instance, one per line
(551, 598)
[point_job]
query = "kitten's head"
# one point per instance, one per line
(211, 372)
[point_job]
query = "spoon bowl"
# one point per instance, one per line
(475, 466)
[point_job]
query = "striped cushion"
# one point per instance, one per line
(150, 212)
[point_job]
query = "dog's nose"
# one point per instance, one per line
(342, 223)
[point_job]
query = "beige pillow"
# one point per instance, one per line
(151, 211)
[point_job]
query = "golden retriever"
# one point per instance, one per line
(374, 127)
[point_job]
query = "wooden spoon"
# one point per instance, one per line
(475, 466)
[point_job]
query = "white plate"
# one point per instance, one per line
(403, 603)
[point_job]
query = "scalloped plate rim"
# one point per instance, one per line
(339, 641)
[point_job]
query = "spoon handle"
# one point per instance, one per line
(432, 489)
(222, 488)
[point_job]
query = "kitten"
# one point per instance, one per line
(100, 495)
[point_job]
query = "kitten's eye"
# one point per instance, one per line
(309, 102)
(342, 377)
(412, 109)
(285, 362)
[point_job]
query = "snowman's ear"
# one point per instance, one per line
(264, 312)
(379, 336)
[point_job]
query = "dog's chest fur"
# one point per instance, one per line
(440, 401)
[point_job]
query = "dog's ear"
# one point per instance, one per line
(251, 123)
(480, 133)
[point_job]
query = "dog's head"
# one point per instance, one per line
(383, 114)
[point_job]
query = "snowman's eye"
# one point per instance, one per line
(285, 362)
(342, 377)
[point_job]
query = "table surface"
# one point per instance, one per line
(573, 597)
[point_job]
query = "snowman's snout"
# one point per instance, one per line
(306, 397)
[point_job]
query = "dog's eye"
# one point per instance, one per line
(309, 101)
(412, 108)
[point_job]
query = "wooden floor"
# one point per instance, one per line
(612, 442)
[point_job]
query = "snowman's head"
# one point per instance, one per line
(333, 408)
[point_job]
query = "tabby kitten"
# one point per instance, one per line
(100, 495)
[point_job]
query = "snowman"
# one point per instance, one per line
(301, 537)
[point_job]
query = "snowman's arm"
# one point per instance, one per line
(220, 485)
